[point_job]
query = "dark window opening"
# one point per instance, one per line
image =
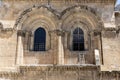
(40, 39)
(78, 40)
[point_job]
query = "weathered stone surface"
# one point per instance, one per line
(19, 19)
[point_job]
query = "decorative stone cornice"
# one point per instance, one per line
(57, 68)
(10, 74)
(111, 32)
(58, 32)
(110, 29)
(117, 30)
(68, 1)
(95, 32)
(5, 33)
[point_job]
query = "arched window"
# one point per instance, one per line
(78, 40)
(39, 39)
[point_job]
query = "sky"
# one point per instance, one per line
(118, 2)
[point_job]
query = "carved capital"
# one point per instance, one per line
(60, 32)
(96, 32)
(21, 33)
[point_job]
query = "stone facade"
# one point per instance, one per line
(59, 18)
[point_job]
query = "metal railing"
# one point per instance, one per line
(39, 47)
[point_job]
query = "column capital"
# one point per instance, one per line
(60, 32)
(23, 33)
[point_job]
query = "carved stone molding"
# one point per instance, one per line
(70, 1)
(5, 32)
(92, 74)
(56, 14)
(97, 32)
(9, 74)
(117, 30)
(57, 68)
(60, 32)
(110, 32)
(23, 33)
(110, 29)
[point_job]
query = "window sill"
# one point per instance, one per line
(37, 52)
(79, 52)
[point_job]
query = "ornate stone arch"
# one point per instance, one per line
(83, 13)
(35, 9)
(35, 17)
(87, 19)
(36, 12)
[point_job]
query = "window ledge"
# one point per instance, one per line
(80, 52)
(37, 52)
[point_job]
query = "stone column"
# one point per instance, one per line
(19, 59)
(66, 39)
(53, 45)
(60, 47)
(60, 51)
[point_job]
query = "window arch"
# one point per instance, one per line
(78, 40)
(39, 39)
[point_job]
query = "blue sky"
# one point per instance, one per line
(118, 2)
